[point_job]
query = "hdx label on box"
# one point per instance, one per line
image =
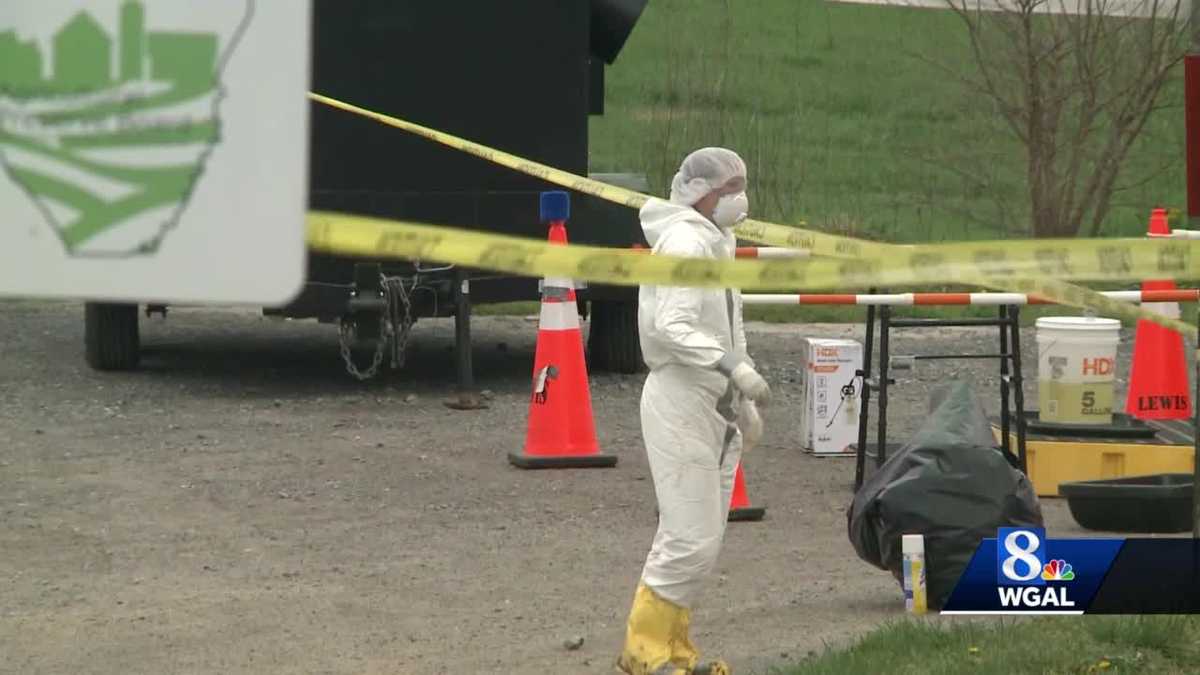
(830, 389)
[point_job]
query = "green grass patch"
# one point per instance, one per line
(844, 121)
(847, 125)
(527, 308)
(1089, 644)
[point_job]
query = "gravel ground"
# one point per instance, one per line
(239, 505)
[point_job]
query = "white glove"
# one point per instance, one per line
(750, 423)
(743, 356)
(750, 383)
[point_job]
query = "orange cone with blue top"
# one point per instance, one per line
(561, 432)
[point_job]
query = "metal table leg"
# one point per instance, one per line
(1018, 385)
(885, 315)
(864, 415)
(1005, 355)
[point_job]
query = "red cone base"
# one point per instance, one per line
(739, 505)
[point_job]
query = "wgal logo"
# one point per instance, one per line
(1023, 570)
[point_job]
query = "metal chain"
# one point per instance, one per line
(397, 297)
(346, 338)
(394, 329)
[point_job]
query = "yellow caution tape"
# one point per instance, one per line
(375, 237)
(1075, 259)
(1035, 267)
(817, 243)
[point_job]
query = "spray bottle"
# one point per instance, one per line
(912, 546)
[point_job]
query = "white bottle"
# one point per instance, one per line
(912, 546)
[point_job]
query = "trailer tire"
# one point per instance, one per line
(110, 336)
(613, 344)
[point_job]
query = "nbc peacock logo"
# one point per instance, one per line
(1058, 570)
(109, 111)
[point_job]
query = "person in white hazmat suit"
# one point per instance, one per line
(698, 409)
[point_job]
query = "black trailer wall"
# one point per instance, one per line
(512, 78)
(509, 75)
(513, 75)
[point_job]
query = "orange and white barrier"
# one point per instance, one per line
(758, 252)
(769, 252)
(1178, 234)
(947, 299)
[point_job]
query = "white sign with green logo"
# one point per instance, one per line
(153, 150)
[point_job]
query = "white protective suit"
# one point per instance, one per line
(689, 406)
(694, 343)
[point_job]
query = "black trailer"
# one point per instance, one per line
(522, 77)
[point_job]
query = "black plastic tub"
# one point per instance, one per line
(1156, 503)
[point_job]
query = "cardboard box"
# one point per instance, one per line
(830, 389)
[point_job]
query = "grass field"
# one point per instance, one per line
(842, 118)
(1060, 645)
(846, 124)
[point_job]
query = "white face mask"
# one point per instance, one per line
(731, 210)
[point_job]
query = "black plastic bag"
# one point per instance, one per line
(950, 484)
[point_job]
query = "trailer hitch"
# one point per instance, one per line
(379, 306)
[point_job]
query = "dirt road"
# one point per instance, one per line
(240, 505)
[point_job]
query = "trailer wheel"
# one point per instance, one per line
(613, 340)
(110, 336)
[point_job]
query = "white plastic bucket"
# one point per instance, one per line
(1077, 360)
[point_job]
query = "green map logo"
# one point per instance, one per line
(106, 122)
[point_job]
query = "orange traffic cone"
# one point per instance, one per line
(739, 504)
(1158, 381)
(561, 432)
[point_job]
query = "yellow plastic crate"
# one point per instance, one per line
(1052, 461)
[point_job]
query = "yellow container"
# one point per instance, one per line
(1053, 461)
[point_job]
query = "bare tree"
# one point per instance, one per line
(1075, 81)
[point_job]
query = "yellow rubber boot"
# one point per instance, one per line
(649, 635)
(684, 654)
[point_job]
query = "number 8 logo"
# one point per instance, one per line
(1024, 554)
